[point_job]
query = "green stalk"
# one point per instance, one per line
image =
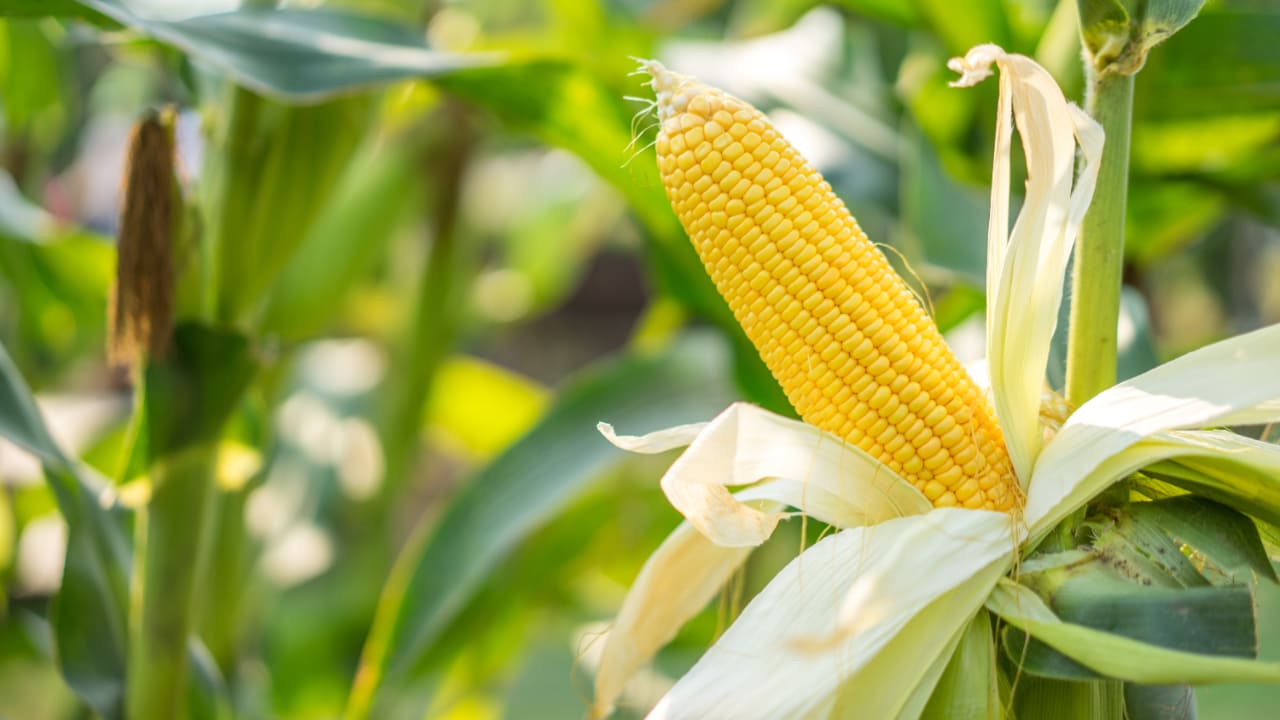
(222, 624)
(170, 533)
(1095, 314)
(436, 312)
(1099, 258)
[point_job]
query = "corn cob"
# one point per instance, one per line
(851, 346)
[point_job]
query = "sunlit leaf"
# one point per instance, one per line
(962, 27)
(468, 391)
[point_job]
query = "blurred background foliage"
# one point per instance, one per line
(452, 261)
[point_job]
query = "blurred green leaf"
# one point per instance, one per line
(968, 687)
(521, 490)
(1239, 145)
(190, 394)
(946, 222)
(467, 391)
(21, 219)
(294, 53)
(349, 234)
(89, 612)
(52, 8)
(30, 81)
(1164, 216)
(278, 170)
(1224, 63)
(565, 105)
(895, 11)
(20, 419)
(961, 26)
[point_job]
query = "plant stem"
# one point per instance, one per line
(170, 532)
(1099, 258)
(223, 623)
(436, 311)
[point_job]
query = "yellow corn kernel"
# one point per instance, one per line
(837, 327)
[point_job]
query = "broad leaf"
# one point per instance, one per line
(90, 610)
(1116, 656)
(520, 491)
(1122, 595)
(297, 54)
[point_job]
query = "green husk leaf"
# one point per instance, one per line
(1159, 702)
(1115, 656)
(968, 687)
(1221, 543)
(1120, 587)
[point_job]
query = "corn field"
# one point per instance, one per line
(399, 359)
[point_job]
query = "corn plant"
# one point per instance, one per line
(339, 340)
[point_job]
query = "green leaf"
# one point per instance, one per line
(21, 219)
(1159, 702)
(1164, 216)
(1115, 656)
(1222, 544)
(962, 27)
(368, 204)
(1118, 34)
(297, 54)
(946, 221)
(88, 614)
(566, 105)
(190, 394)
(277, 170)
(968, 687)
(1241, 473)
(53, 8)
(522, 490)
(1224, 63)
(1206, 621)
(20, 419)
(1160, 19)
(31, 83)
(894, 11)
(1104, 27)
